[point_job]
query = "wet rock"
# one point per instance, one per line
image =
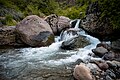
(111, 64)
(116, 44)
(108, 78)
(34, 31)
(105, 45)
(68, 34)
(111, 74)
(117, 63)
(78, 62)
(57, 23)
(109, 56)
(72, 40)
(102, 65)
(81, 72)
(99, 51)
(74, 43)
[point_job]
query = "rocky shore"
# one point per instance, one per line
(108, 68)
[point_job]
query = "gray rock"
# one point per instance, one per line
(111, 74)
(109, 56)
(74, 43)
(102, 65)
(105, 45)
(58, 23)
(116, 44)
(108, 78)
(34, 31)
(100, 51)
(7, 35)
(111, 64)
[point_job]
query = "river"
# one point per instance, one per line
(44, 63)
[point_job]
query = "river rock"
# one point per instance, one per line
(81, 72)
(116, 44)
(72, 40)
(109, 56)
(58, 23)
(105, 45)
(99, 51)
(111, 74)
(102, 65)
(34, 31)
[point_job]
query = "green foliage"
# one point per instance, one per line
(16, 10)
(8, 20)
(111, 10)
(73, 12)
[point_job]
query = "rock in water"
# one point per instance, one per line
(72, 40)
(34, 31)
(100, 51)
(74, 43)
(81, 72)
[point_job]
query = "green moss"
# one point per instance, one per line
(9, 20)
(111, 10)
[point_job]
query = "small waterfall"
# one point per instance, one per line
(77, 24)
(70, 33)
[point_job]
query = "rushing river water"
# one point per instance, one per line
(15, 63)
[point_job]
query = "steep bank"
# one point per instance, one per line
(98, 25)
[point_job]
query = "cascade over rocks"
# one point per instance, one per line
(58, 23)
(74, 40)
(34, 31)
(101, 29)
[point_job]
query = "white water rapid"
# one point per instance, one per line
(48, 56)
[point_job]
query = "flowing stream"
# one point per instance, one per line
(14, 63)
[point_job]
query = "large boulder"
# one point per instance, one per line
(93, 24)
(81, 72)
(57, 23)
(34, 31)
(63, 23)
